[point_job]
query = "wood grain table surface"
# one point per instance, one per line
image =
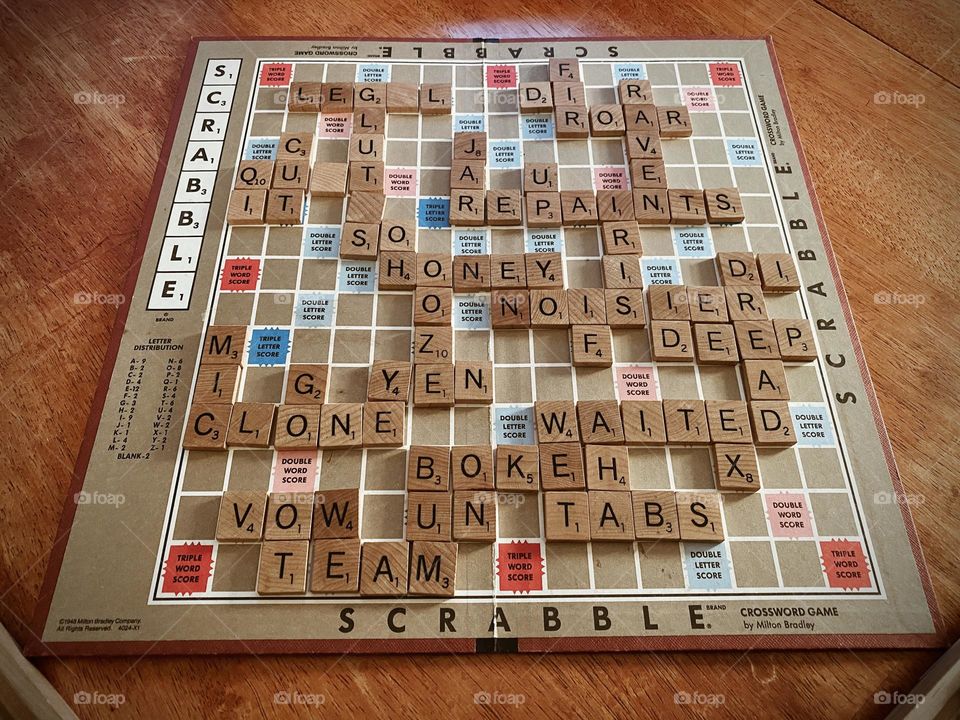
(73, 183)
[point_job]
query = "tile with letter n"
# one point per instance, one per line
(341, 425)
(475, 516)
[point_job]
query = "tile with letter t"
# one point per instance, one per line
(566, 516)
(283, 567)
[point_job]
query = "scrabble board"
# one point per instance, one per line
(490, 345)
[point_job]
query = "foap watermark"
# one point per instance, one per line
(98, 298)
(95, 97)
(502, 498)
(884, 697)
(295, 697)
(699, 698)
(898, 298)
(898, 498)
(895, 97)
(498, 698)
(85, 497)
(95, 697)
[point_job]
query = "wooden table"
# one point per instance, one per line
(74, 181)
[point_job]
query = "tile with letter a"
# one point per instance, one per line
(283, 567)
(383, 568)
(611, 516)
(241, 516)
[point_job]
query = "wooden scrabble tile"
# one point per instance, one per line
(434, 270)
(671, 340)
(570, 121)
(366, 176)
(366, 147)
(473, 382)
(569, 94)
(674, 121)
(504, 207)
(614, 205)
(429, 516)
(621, 237)
(251, 424)
(471, 273)
(772, 423)
(517, 468)
(428, 468)
(540, 177)
(745, 302)
(641, 118)
(432, 306)
(470, 146)
(764, 380)
(341, 425)
(369, 121)
(254, 174)
(649, 174)
(289, 516)
(436, 99)
(625, 308)
(365, 207)
(284, 207)
(283, 567)
(686, 206)
(643, 146)
(668, 302)
(337, 97)
(544, 269)
(778, 274)
(736, 467)
(578, 207)
(294, 145)
(561, 466)
(729, 421)
(246, 207)
(372, 94)
(291, 175)
(384, 565)
(543, 210)
(708, 304)
(621, 271)
(433, 569)
(471, 467)
(336, 514)
(564, 69)
(510, 308)
(403, 98)
(467, 207)
(592, 345)
(329, 179)
(643, 422)
(757, 340)
(586, 306)
(241, 516)
(383, 424)
(795, 339)
(715, 343)
(611, 516)
(298, 427)
(335, 566)
(651, 206)
(548, 307)
(306, 384)
(216, 384)
(738, 268)
(566, 516)
(556, 421)
(432, 344)
(655, 515)
(634, 92)
(397, 270)
(304, 97)
(535, 97)
(699, 516)
(508, 271)
(723, 205)
(389, 380)
(475, 516)
(467, 175)
(433, 384)
(599, 422)
(606, 121)
(686, 422)
(607, 467)
(359, 241)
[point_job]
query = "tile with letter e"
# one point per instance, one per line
(517, 468)
(336, 513)
(607, 467)
(473, 382)
(251, 425)
(566, 516)
(389, 380)
(671, 341)
(561, 466)
(795, 339)
(655, 515)
(206, 427)
(764, 380)
(298, 427)
(643, 422)
(729, 421)
(504, 207)
(241, 514)
(428, 468)
(716, 344)
(592, 345)
(508, 271)
(707, 304)
(433, 384)
(283, 567)
(383, 568)
(475, 516)
(335, 566)
(699, 516)
(736, 467)
(471, 467)
(772, 423)
(428, 516)
(289, 516)
(341, 425)
(383, 423)
(611, 516)
(306, 384)
(686, 422)
(433, 569)
(757, 340)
